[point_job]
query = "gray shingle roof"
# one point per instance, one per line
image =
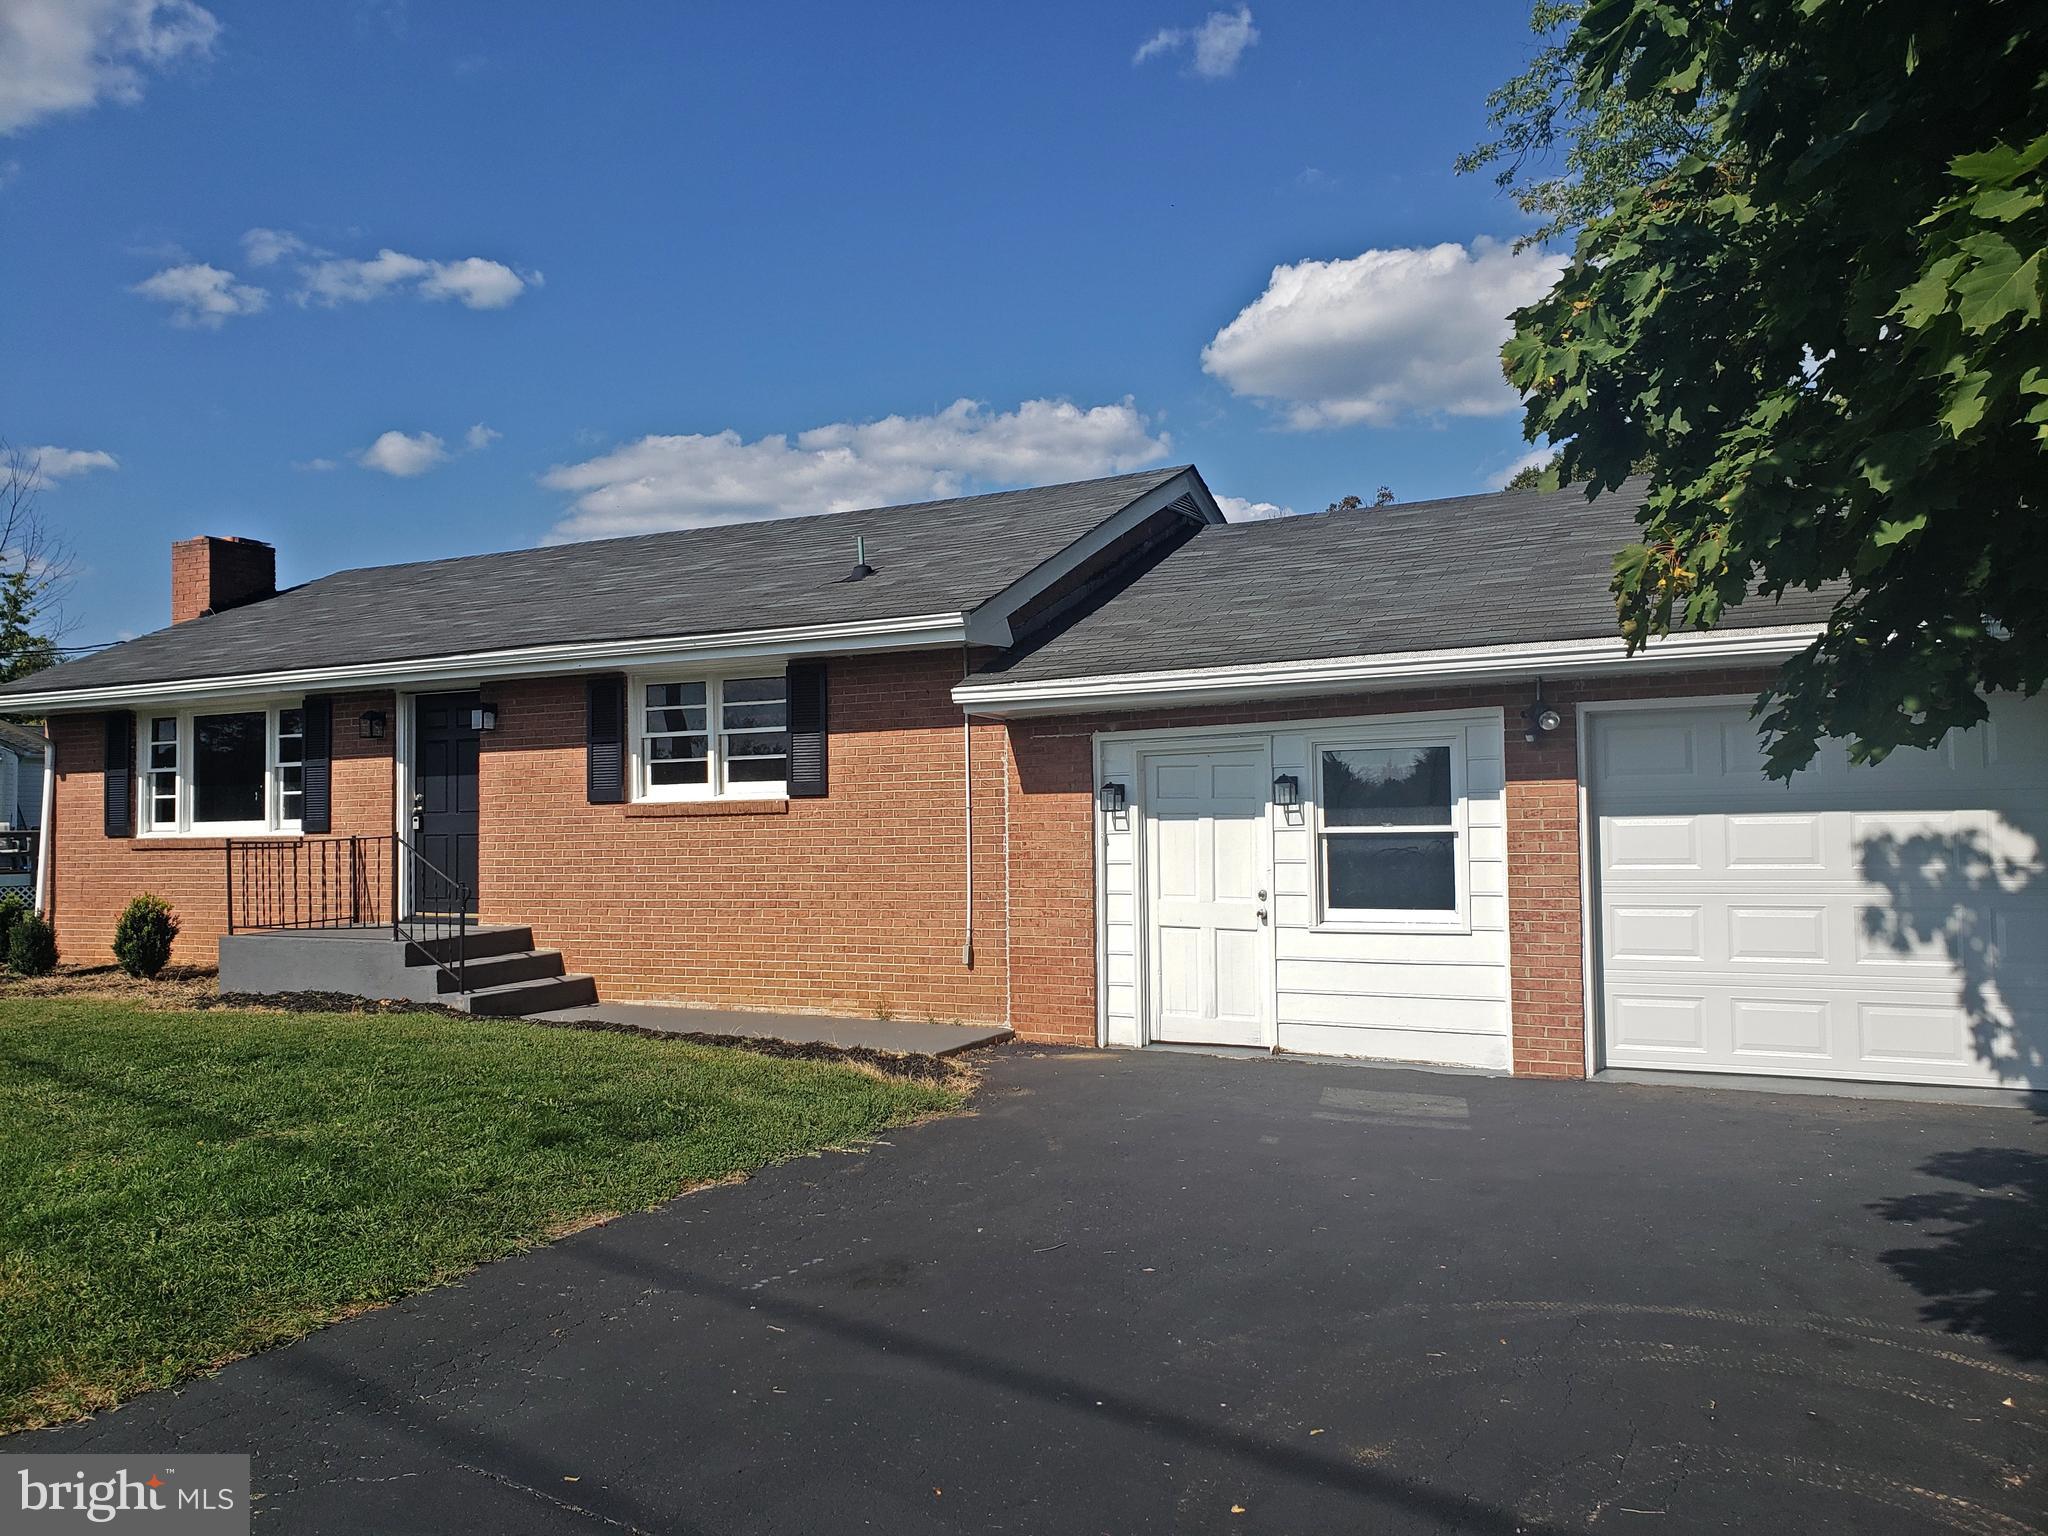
(930, 558)
(1508, 568)
(20, 739)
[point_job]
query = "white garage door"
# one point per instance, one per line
(1885, 924)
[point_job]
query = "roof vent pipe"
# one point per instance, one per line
(861, 569)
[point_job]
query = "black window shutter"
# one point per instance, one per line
(118, 779)
(807, 755)
(604, 739)
(317, 805)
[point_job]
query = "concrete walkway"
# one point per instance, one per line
(904, 1037)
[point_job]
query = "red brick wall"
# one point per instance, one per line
(92, 876)
(853, 903)
(1052, 851)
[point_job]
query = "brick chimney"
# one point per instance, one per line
(209, 575)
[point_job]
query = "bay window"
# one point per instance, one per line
(221, 772)
(712, 738)
(1389, 834)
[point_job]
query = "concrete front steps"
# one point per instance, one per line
(503, 972)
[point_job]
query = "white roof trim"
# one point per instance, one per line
(526, 661)
(989, 622)
(1284, 679)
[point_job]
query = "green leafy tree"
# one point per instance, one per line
(1380, 498)
(34, 570)
(1567, 149)
(1821, 330)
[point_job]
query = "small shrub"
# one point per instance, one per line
(32, 946)
(142, 938)
(13, 907)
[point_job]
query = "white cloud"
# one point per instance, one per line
(53, 464)
(1238, 510)
(1535, 458)
(329, 280)
(1383, 336)
(60, 56)
(1214, 47)
(267, 247)
(316, 466)
(689, 480)
(404, 455)
(202, 295)
(479, 437)
(333, 280)
(477, 283)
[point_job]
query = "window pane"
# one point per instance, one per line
(751, 703)
(677, 760)
(164, 728)
(759, 757)
(227, 767)
(675, 695)
(1414, 872)
(1386, 786)
(675, 720)
(668, 748)
(163, 756)
(291, 736)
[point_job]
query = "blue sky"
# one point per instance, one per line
(616, 232)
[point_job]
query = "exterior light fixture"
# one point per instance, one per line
(371, 726)
(1541, 718)
(1287, 790)
(484, 718)
(1113, 798)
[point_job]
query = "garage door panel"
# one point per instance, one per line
(1887, 923)
(1660, 1025)
(1777, 935)
(1780, 1027)
(1790, 841)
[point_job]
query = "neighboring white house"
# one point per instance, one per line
(21, 802)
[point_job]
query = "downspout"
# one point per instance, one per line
(967, 802)
(43, 831)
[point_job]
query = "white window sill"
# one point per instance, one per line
(1368, 923)
(225, 830)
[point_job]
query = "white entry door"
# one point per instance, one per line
(1207, 889)
(1885, 924)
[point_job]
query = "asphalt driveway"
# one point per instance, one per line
(1179, 1293)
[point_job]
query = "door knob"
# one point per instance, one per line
(1262, 917)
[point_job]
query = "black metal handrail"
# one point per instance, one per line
(350, 882)
(440, 911)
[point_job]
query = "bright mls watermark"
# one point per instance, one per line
(161, 1495)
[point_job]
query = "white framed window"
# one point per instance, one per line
(223, 770)
(711, 738)
(1391, 850)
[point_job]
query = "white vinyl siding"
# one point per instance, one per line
(1385, 989)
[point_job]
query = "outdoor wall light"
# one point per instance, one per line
(1541, 718)
(484, 718)
(1113, 798)
(371, 726)
(1287, 790)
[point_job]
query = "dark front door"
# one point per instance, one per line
(444, 803)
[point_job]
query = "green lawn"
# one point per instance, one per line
(177, 1189)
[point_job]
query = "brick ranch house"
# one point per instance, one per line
(1085, 761)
